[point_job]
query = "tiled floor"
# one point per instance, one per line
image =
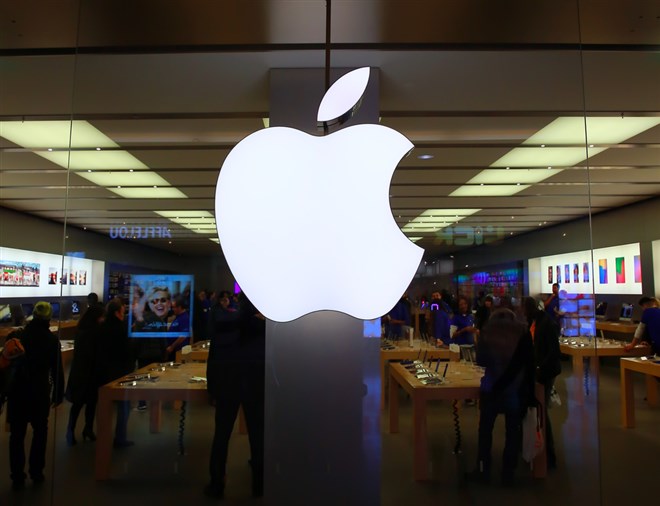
(599, 462)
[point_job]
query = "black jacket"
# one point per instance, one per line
(114, 354)
(39, 378)
(547, 356)
(82, 384)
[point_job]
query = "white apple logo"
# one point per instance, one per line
(304, 221)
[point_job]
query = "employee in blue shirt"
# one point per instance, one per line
(464, 322)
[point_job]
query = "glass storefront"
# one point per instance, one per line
(535, 163)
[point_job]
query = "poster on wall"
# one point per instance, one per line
(19, 273)
(618, 271)
(161, 305)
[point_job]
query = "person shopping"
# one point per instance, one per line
(81, 389)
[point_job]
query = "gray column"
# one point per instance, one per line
(322, 424)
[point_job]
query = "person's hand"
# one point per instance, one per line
(628, 346)
(138, 308)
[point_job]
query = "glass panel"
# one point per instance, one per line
(535, 134)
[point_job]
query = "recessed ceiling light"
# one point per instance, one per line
(508, 168)
(155, 186)
(89, 170)
(542, 145)
(549, 167)
(98, 149)
(563, 235)
(425, 157)
(50, 149)
(118, 186)
(130, 170)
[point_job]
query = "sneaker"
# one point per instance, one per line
(142, 407)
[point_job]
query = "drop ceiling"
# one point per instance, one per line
(178, 84)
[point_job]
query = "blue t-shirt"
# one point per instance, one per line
(651, 318)
(399, 312)
(440, 320)
(550, 309)
(461, 321)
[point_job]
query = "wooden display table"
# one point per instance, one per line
(581, 349)
(173, 384)
(619, 327)
(650, 368)
(199, 353)
(403, 351)
(462, 383)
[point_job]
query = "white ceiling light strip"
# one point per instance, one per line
(523, 166)
(433, 220)
(200, 222)
(79, 146)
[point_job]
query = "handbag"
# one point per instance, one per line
(532, 443)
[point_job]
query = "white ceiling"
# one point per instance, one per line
(178, 87)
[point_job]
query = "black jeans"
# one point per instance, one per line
(22, 414)
(236, 385)
(490, 406)
(549, 438)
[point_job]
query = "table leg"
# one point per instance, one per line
(394, 406)
(420, 440)
(578, 377)
(652, 390)
(103, 435)
(382, 383)
(155, 416)
(627, 398)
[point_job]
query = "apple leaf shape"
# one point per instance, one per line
(343, 96)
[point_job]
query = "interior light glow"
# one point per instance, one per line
(80, 160)
(432, 220)
(564, 131)
(56, 134)
(425, 157)
(123, 178)
(81, 149)
(526, 176)
(503, 190)
(150, 193)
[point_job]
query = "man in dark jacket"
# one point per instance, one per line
(115, 359)
(38, 382)
(547, 359)
(505, 351)
(236, 376)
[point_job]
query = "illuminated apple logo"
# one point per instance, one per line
(304, 221)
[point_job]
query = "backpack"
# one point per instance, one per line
(11, 360)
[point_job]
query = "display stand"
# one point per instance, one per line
(322, 410)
